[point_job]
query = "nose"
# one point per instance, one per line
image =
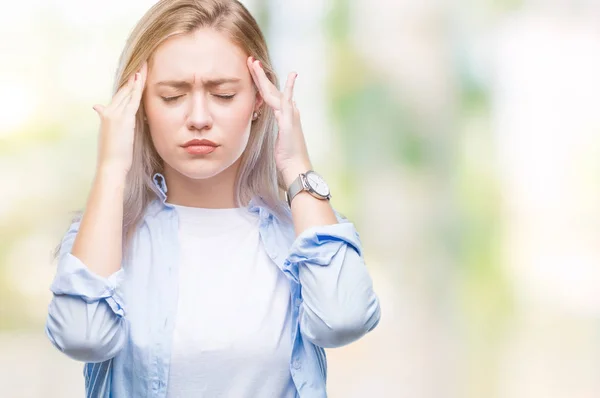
(199, 117)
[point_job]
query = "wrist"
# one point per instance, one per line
(292, 171)
(111, 172)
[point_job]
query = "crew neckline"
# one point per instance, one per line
(230, 216)
(207, 209)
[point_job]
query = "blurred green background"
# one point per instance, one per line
(460, 137)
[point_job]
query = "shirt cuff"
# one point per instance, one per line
(73, 278)
(318, 245)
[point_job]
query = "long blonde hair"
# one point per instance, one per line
(257, 176)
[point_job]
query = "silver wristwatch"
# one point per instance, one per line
(311, 182)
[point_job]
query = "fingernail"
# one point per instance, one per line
(259, 64)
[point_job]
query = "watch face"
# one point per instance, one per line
(317, 183)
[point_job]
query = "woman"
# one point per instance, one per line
(188, 274)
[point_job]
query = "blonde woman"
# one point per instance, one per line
(188, 273)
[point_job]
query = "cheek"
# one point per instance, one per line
(236, 117)
(157, 112)
(161, 120)
(161, 124)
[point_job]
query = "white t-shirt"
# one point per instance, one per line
(232, 334)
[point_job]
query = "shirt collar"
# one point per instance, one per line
(256, 205)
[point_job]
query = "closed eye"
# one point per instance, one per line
(171, 99)
(224, 97)
(175, 98)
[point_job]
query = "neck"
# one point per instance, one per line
(217, 192)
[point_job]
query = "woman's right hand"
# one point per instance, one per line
(117, 124)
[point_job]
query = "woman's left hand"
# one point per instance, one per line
(291, 155)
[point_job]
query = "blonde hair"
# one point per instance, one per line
(257, 175)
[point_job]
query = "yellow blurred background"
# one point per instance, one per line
(462, 138)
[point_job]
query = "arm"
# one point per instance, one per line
(339, 303)
(86, 315)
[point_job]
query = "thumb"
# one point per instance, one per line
(99, 109)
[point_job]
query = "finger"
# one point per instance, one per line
(99, 109)
(251, 63)
(136, 94)
(288, 93)
(131, 89)
(139, 86)
(143, 74)
(123, 92)
(124, 96)
(269, 92)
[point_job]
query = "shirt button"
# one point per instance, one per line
(298, 302)
(296, 364)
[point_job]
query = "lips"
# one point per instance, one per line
(199, 142)
(199, 147)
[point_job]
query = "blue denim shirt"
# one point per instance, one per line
(122, 325)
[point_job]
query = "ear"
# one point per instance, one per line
(259, 102)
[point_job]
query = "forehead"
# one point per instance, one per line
(204, 53)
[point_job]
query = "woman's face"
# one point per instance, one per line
(199, 87)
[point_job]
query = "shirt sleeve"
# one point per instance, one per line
(86, 315)
(339, 304)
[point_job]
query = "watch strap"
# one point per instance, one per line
(295, 188)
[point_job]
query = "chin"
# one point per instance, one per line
(202, 169)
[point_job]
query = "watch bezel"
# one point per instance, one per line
(310, 189)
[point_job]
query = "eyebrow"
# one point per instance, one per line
(208, 83)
